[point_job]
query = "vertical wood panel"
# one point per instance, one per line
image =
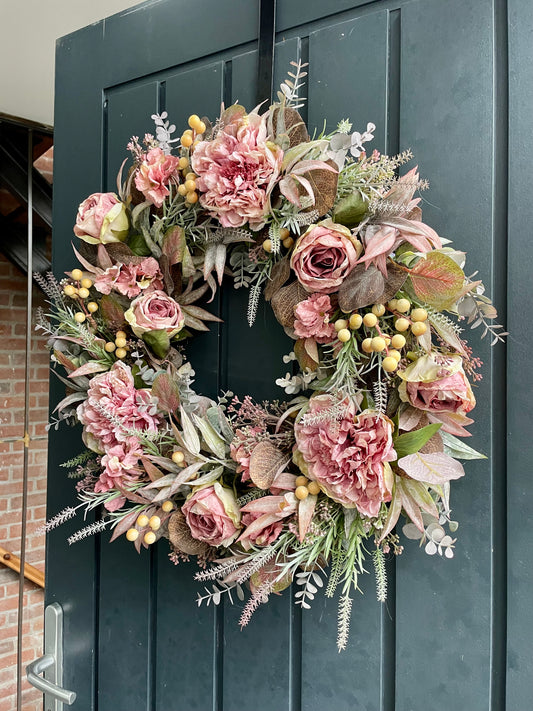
(520, 403)
(125, 629)
(252, 359)
(348, 75)
(444, 607)
(347, 79)
(187, 636)
(128, 114)
(71, 572)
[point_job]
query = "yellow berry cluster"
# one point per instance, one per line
(153, 524)
(304, 487)
(189, 140)
(119, 346)
(382, 342)
(188, 188)
(80, 290)
(285, 237)
(415, 320)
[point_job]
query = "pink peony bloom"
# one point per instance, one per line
(324, 256)
(237, 171)
(312, 319)
(154, 174)
(439, 387)
(155, 312)
(130, 279)
(113, 405)
(121, 467)
(349, 457)
(102, 219)
(212, 515)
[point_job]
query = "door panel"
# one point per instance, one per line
(432, 76)
(444, 608)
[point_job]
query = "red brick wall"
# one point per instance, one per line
(12, 356)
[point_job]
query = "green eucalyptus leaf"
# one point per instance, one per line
(412, 442)
(212, 439)
(190, 435)
(458, 449)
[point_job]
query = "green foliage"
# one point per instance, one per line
(412, 442)
(158, 341)
(138, 246)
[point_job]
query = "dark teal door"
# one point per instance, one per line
(451, 79)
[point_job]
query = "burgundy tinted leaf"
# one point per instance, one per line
(173, 244)
(437, 280)
(120, 252)
(112, 312)
(396, 277)
(104, 260)
(166, 390)
(65, 362)
(189, 297)
(395, 509)
(88, 369)
(85, 258)
(410, 506)
(202, 314)
(280, 273)
(125, 523)
(306, 508)
(362, 287)
(153, 472)
(285, 301)
(305, 355)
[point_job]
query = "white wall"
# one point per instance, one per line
(28, 33)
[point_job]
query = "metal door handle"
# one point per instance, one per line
(51, 663)
(47, 687)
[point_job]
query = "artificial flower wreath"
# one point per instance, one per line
(268, 493)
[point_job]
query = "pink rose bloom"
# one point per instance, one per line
(237, 171)
(130, 279)
(263, 519)
(263, 537)
(439, 387)
(112, 399)
(102, 219)
(349, 457)
(312, 319)
(240, 453)
(213, 515)
(324, 256)
(154, 174)
(155, 312)
(452, 394)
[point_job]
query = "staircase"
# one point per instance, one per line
(23, 145)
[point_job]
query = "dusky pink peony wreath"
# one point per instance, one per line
(380, 379)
